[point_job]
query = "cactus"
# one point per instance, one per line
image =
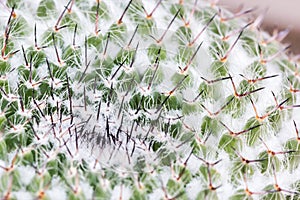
(145, 100)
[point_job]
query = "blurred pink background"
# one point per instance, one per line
(279, 14)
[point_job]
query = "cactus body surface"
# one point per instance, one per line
(145, 100)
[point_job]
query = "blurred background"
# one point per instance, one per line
(278, 14)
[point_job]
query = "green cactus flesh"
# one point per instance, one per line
(145, 100)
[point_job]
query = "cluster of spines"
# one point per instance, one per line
(60, 113)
